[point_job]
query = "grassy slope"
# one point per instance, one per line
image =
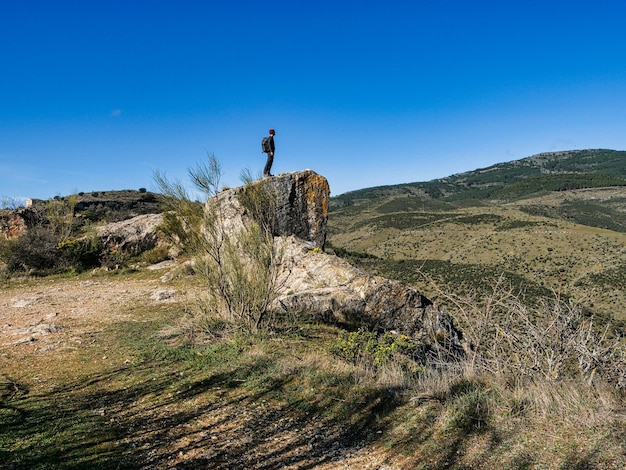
(126, 396)
(584, 262)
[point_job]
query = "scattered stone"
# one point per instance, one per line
(24, 301)
(163, 295)
(162, 265)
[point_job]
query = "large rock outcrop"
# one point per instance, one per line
(14, 223)
(328, 287)
(131, 236)
(302, 206)
(312, 282)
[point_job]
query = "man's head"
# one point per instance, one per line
(272, 132)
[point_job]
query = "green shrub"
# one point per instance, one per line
(90, 214)
(81, 253)
(35, 250)
(113, 259)
(239, 267)
(5, 249)
(155, 255)
(366, 346)
(41, 251)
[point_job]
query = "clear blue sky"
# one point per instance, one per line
(97, 95)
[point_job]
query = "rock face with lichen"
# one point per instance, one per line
(301, 206)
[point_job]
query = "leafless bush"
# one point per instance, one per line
(10, 203)
(553, 340)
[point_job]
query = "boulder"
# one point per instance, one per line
(315, 283)
(301, 206)
(131, 236)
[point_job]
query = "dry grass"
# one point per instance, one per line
(556, 254)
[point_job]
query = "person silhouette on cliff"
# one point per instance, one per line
(268, 147)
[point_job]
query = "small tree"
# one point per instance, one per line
(60, 215)
(239, 265)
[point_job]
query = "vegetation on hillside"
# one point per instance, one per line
(60, 232)
(557, 171)
(110, 206)
(539, 221)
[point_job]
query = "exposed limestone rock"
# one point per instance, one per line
(324, 285)
(24, 301)
(131, 236)
(13, 226)
(30, 333)
(14, 223)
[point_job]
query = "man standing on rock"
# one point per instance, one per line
(268, 147)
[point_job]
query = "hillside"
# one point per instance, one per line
(555, 171)
(110, 206)
(550, 222)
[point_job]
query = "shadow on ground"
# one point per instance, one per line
(230, 419)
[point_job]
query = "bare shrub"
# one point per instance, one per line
(11, 203)
(551, 341)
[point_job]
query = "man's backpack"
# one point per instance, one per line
(265, 145)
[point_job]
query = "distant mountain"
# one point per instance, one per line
(551, 171)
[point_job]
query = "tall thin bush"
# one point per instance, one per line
(238, 265)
